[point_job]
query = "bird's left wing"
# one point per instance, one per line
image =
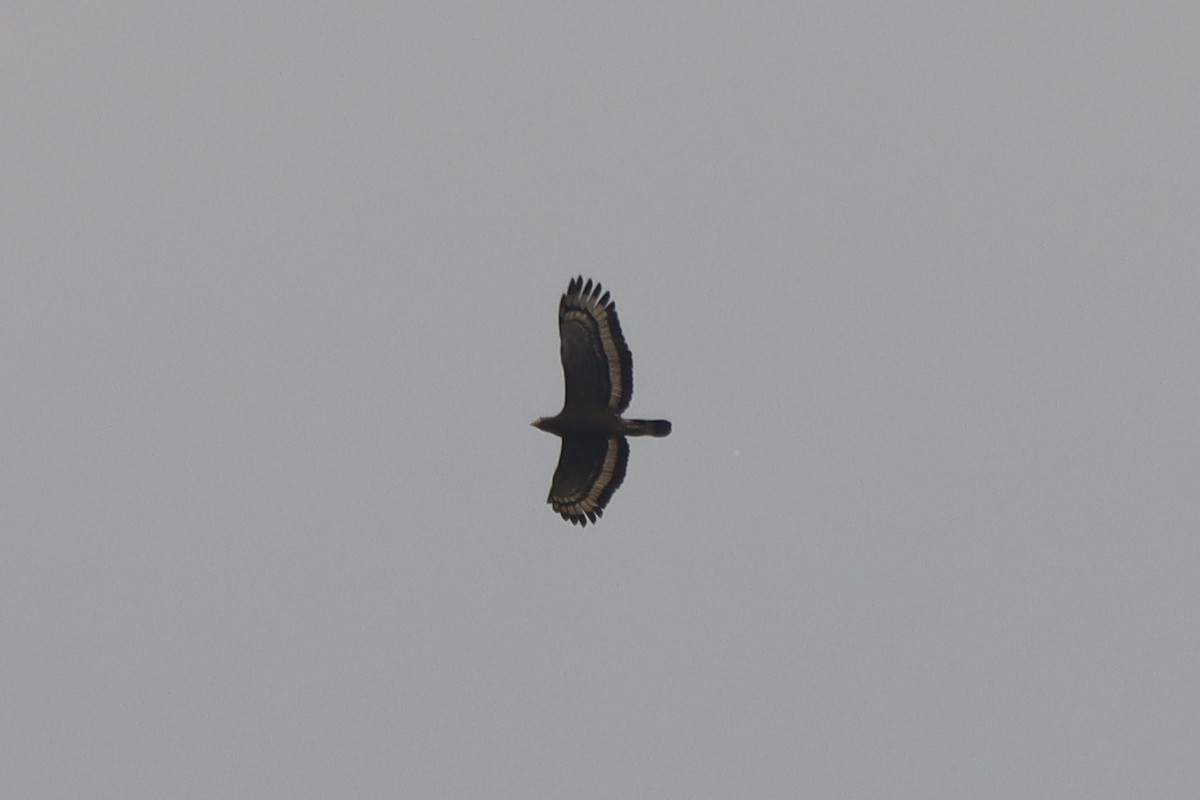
(597, 364)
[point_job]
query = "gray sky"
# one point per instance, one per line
(917, 286)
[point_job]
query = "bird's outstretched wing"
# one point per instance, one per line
(589, 470)
(597, 365)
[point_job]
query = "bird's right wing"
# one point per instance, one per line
(589, 470)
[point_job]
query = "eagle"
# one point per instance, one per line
(598, 371)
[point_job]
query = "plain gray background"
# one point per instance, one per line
(916, 283)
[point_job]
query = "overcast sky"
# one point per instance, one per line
(917, 285)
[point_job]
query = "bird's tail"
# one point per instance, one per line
(647, 427)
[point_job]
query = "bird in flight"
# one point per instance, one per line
(598, 370)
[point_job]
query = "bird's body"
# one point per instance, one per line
(598, 371)
(601, 423)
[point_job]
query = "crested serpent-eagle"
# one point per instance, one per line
(598, 370)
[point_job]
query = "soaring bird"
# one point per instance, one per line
(598, 370)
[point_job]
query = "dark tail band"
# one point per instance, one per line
(647, 427)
